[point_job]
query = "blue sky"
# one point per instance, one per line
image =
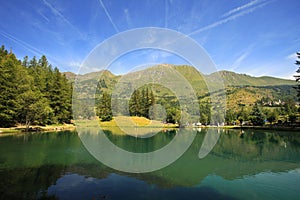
(256, 37)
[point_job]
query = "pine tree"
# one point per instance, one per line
(140, 102)
(32, 92)
(25, 62)
(134, 104)
(33, 63)
(60, 97)
(8, 85)
(104, 108)
(256, 116)
(143, 103)
(297, 77)
(205, 112)
(152, 98)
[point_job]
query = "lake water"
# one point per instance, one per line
(249, 165)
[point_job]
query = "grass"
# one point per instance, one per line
(136, 122)
(125, 125)
(58, 127)
(54, 127)
(9, 130)
(127, 121)
(135, 126)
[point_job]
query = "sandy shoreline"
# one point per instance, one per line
(21, 129)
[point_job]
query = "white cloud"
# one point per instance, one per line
(127, 16)
(25, 45)
(292, 57)
(229, 18)
(239, 60)
(108, 16)
(242, 57)
(44, 17)
(251, 3)
(63, 18)
(74, 64)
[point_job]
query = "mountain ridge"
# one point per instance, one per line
(230, 78)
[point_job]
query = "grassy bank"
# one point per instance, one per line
(135, 126)
(136, 121)
(54, 127)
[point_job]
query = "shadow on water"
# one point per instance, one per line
(57, 166)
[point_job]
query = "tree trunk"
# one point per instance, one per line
(27, 124)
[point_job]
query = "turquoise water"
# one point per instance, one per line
(249, 165)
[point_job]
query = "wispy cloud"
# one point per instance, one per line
(44, 17)
(63, 18)
(127, 16)
(242, 57)
(108, 16)
(235, 14)
(74, 64)
(239, 60)
(292, 57)
(157, 56)
(31, 49)
(25, 45)
(235, 10)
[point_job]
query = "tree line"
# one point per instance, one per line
(259, 115)
(32, 92)
(143, 101)
(297, 77)
(139, 104)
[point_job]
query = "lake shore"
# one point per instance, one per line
(140, 123)
(47, 128)
(275, 128)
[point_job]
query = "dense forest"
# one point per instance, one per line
(143, 103)
(262, 111)
(32, 92)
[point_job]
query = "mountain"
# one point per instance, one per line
(195, 77)
(87, 83)
(235, 79)
(89, 76)
(241, 89)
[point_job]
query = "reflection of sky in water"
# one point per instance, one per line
(74, 186)
(265, 185)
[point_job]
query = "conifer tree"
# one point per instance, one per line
(31, 92)
(298, 75)
(104, 108)
(256, 116)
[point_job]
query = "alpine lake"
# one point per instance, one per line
(243, 164)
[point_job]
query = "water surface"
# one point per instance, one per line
(243, 165)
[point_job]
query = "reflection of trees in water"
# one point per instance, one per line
(29, 183)
(251, 145)
(141, 145)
